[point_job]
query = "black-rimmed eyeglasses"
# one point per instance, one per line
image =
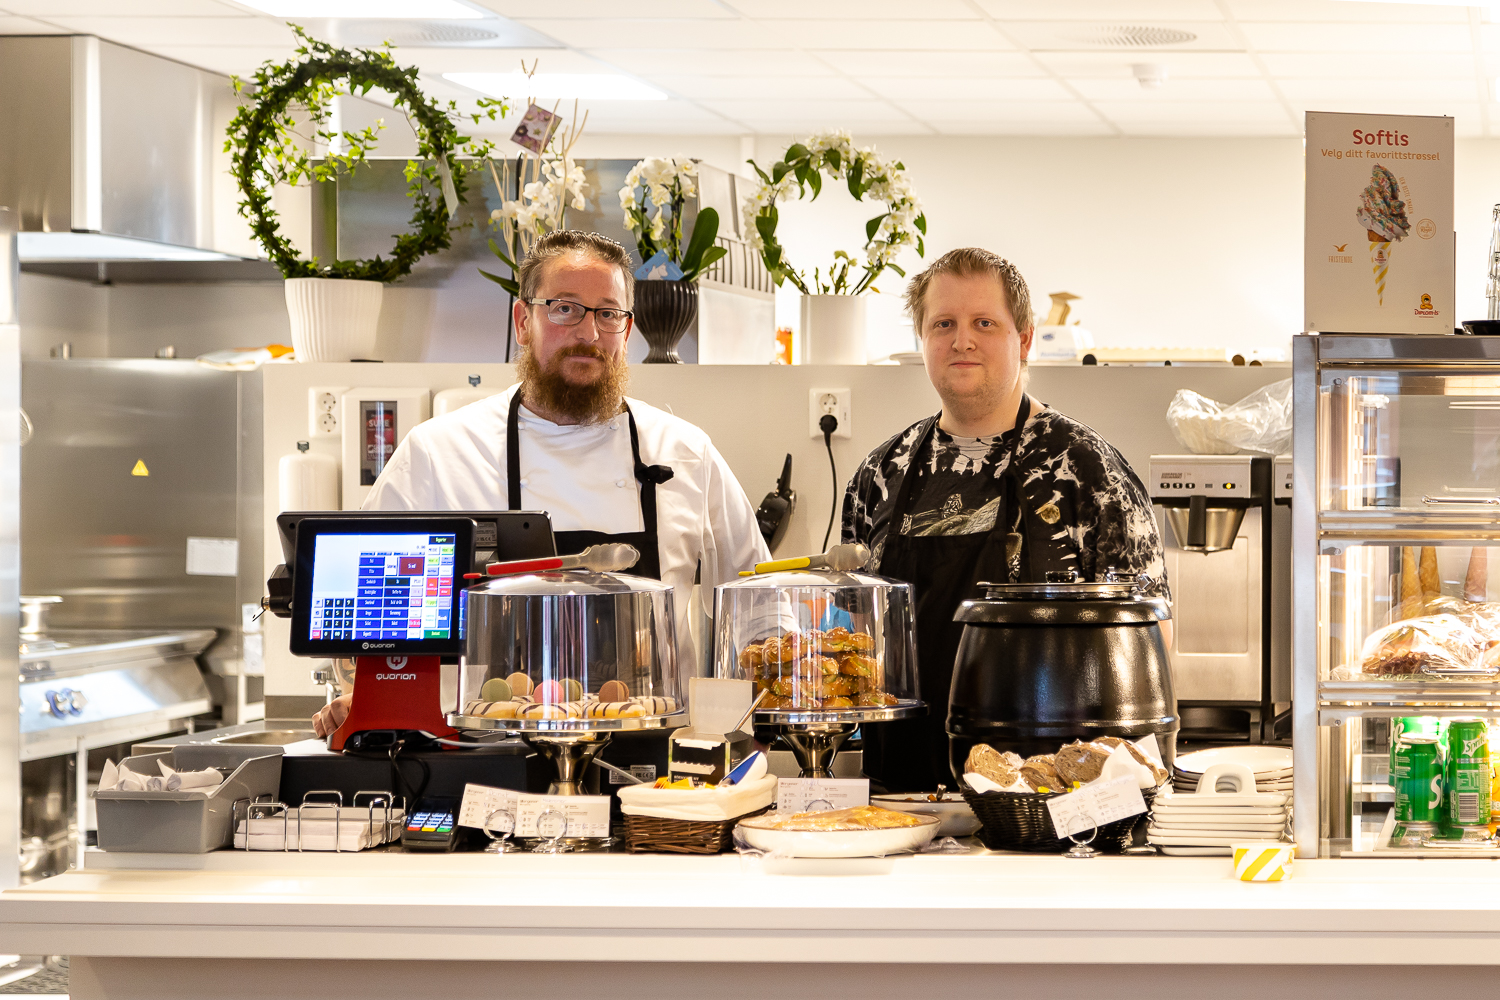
(566, 312)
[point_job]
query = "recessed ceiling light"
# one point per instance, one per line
(558, 86)
(440, 10)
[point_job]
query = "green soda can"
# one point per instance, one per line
(1468, 774)
(1425, 726)
(1418, 778)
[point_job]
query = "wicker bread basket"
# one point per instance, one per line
(1019, 821)
(680, 836)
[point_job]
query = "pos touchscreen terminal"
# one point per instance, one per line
(387, 591)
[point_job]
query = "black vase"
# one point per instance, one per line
(663, 312)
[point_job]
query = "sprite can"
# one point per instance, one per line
(1468, 774)
(1425, 726)
(1418, 779)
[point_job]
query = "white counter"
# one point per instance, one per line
(156, 918)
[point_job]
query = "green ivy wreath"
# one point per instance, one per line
(267, 150)
(802, 167)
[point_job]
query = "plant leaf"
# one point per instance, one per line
(796, 151)
(705, 231)
(509, 284)
(873, 225)
(921, 223)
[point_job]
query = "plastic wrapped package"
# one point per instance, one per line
(1435, 644)
(1262, 421)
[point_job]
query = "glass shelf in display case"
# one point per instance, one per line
(1395, 615)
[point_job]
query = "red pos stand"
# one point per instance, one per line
(394, 693)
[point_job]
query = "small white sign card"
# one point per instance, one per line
(587, 815)
(480, 801)
(1094, 805)
(796, 794)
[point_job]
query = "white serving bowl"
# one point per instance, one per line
(955, 818)
(836, 843)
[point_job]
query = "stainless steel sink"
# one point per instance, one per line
(269, 737)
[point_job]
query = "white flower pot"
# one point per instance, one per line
(833, 330)
(333, 319)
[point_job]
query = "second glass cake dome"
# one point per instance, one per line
(573, 650)
(825, 646)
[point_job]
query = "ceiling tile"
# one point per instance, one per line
(1208, 129)
(1112, 65)
(1386, 106)
(231, 60)
(662, 33)
(1360, 66)
(774, 87)
(863, 132)
(851, 112)
(146, 32)
(939, 36)
(607, 8)
(26, 26)
(984, 126)
(1347, 12)
(931, 10)
(712, 63)
(899, 63)
(125, 8)
(1379, 90)
(1083, 36)
(962, 89)
(1227, 112)
(1396, 38)
(1013, 112)
(1175, 90)
(1103, 10)
(435, 61)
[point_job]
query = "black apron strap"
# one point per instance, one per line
(649, 476)
(513, 452)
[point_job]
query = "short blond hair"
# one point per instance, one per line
(564, 241)
(962, 263)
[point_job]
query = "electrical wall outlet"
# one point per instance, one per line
(323, 410)
(835, 401)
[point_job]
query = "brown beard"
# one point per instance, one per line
(551, 392)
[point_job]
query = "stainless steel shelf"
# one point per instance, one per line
(1409, 525)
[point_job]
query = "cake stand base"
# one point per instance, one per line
(570, 755)
(815, 744)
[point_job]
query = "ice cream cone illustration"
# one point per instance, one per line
(1383, 214)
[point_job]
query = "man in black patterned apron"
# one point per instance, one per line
(995, 487)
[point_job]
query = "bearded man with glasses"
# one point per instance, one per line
(566, 440)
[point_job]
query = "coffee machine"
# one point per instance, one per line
(1228, 561)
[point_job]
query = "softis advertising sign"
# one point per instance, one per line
(1378, 243)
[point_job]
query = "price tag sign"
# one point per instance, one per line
(481, 800)
(1094, 805)
(795, 794)
(587, 815)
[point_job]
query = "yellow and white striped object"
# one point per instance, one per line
(1263, 862)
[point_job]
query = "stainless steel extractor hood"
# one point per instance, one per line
(114, 154)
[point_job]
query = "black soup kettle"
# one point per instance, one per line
(1043, 664)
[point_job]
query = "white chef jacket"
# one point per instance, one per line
(583, 475)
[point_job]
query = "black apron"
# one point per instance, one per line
(911, 755)
(573, 542)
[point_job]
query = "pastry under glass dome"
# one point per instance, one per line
(570, 651)
(829, 650)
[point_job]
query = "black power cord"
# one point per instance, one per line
(829, 423)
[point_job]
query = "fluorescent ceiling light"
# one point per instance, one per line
(427, 10)
(558, 86)
(62, 247)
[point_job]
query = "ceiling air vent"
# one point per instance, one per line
(483, 33)
(1129, 36)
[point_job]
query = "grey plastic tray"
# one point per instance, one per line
(188, 822)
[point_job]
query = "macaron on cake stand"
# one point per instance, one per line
(567, 653)
(831, 648)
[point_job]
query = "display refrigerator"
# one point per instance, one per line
(1396, 616)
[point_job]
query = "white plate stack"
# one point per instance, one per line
(1272, 767)
(1220, 814)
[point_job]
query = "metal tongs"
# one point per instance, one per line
(606, 558)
